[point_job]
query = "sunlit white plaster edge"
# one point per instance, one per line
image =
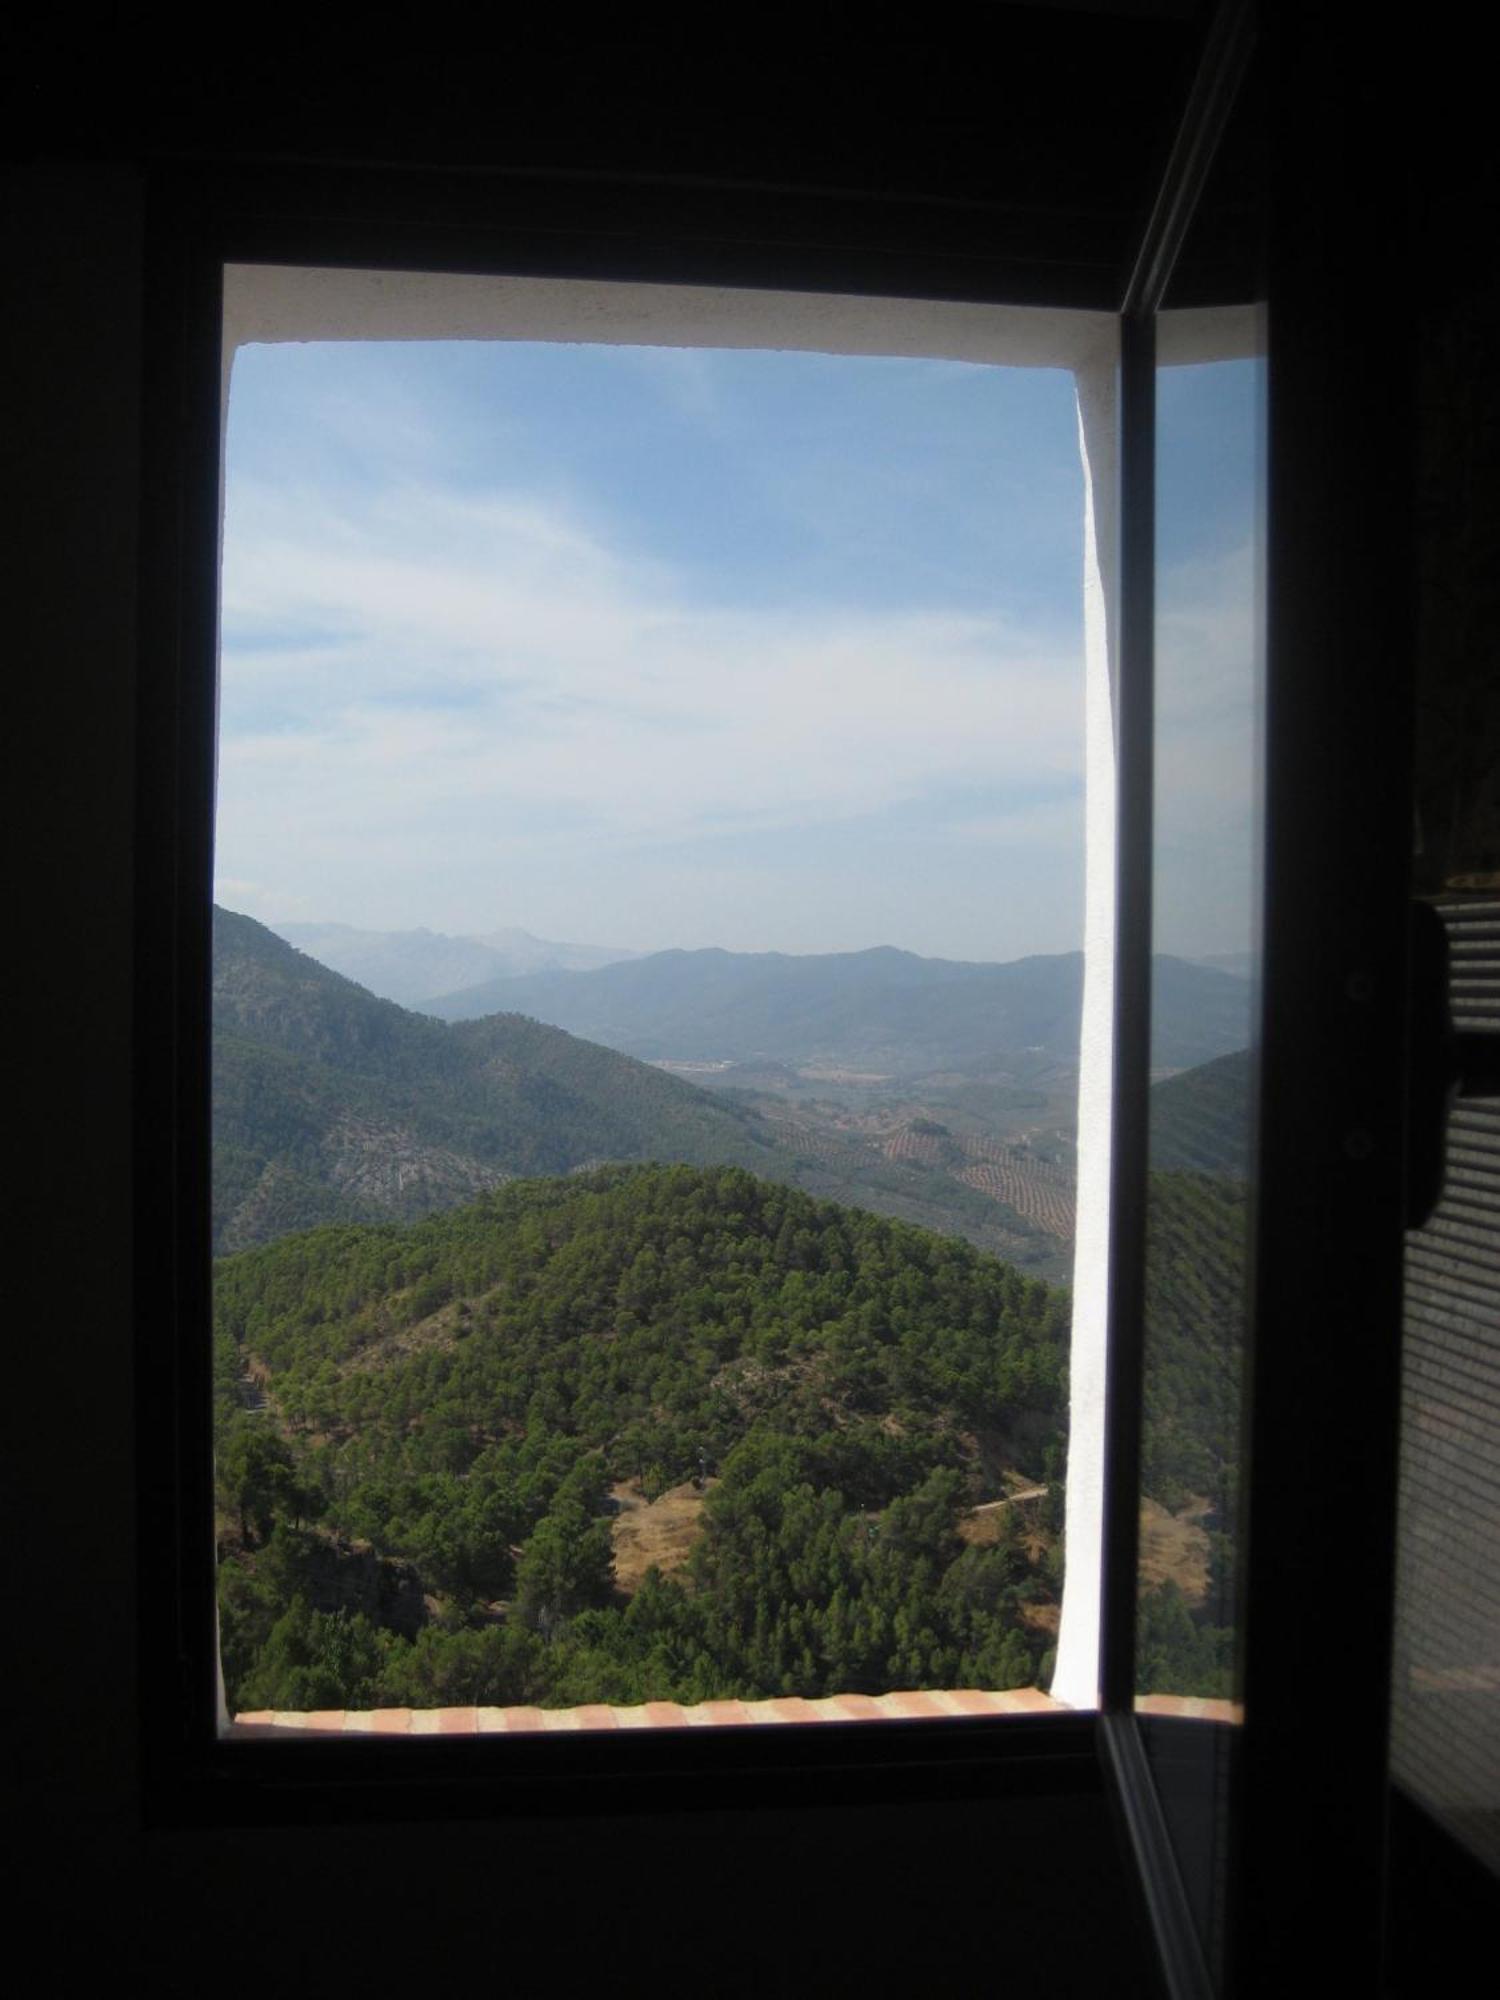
(1075, 1679)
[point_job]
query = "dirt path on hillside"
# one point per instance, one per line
(986, 1524)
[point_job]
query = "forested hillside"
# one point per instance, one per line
(1200, 1121)
(427, 1436)
(658, 1432)
(331, 1105)
(1193, 1389)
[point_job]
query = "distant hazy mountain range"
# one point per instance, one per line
(1240, 963)
(882, 1010)
(412, 966)
(330, 1105)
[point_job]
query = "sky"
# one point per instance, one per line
(1209, 484)
(647, 647)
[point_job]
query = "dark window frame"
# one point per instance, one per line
(745, 240)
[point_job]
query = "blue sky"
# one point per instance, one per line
(653, 647)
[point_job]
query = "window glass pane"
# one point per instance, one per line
(1209, 396)
(1210, 388)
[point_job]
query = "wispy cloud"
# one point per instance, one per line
(410, 669)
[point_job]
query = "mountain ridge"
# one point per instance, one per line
(883, 1007)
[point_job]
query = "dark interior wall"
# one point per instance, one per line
(777, 1905)
(906, 1898)
(71, 375)
(1446, 1706)
(1015, 112)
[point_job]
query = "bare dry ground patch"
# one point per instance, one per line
(660, 1531)
(1174, 1548)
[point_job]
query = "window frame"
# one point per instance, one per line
(197, 228)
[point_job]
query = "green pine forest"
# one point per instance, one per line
(426, 1432)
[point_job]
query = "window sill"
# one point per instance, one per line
(1190, 1707)
(910, 1705)
(924, 1705)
